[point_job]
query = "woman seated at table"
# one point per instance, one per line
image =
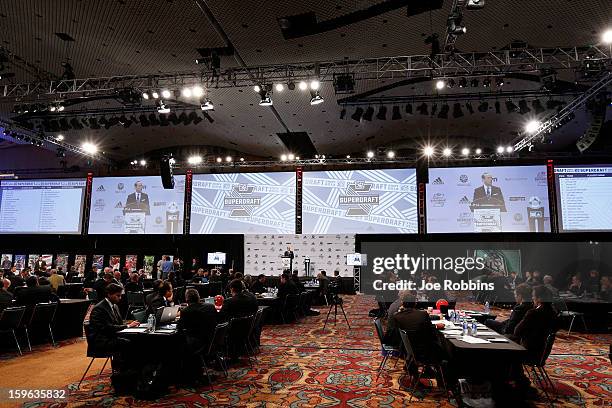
(522, 294)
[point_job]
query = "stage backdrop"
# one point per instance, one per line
(262, 253)
(522, 190)
(243, 203)
(360, 201)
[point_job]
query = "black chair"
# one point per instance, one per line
(93, 354)
(386, 349)
(215, 350)
(239, 331)
(540, 375)
(256, 329)
(564, 313)
(302, 298)
(289, 307)
(421, 366)
(10, 320)
(42, 316)
(135, 300)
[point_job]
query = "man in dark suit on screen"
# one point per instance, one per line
(138, 200)
(488, 195)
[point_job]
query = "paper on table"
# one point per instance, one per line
(134, 330)
(474, 340)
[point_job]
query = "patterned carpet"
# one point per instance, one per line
(300, 365)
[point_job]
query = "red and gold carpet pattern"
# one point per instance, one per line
(300, 365)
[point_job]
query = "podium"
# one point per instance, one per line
(287, 262)
(487, 217)
(307, 266)
(134, 221)
(536, 219)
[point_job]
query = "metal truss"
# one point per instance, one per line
(398, 67)
(47, 142)
(525, 139)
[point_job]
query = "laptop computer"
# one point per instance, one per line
(166, 315)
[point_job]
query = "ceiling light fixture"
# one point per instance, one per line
(303, 86)
(207, 105)
(428, 151)
(279, 87)
(315, 84)
(266, 99)
(316, 98)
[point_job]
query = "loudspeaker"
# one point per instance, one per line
(165, 168)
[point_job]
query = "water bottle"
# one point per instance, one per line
(487, 308)
(465, 328)
(474, 329)
(151, 323)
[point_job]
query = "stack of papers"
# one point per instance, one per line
(474, 340)
(134, 330)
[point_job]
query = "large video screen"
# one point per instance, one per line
(243, 203)
(41, 206)
(488, 199)
(584, 197)
(359, 201)
(136, 205)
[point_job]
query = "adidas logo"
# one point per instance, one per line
(118, 205)
(438, 181)
(101, 188)
(464, 200)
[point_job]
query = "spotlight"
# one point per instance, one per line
(219, 160)
(390, 154)
(297, 157)
(279, 87)
(194, 159)
(396, 115)
(290, 156)
(303, 86)
(483, 107)
(186, 93)
(463, 83)
(197, 91)
(447, 152)
(155, 95)
(486, 82)
(7, 132)
(166, 94)
(143, 162)
(348, 156)
(474, 83)
(368, 114)
(532, 126)
(499, 82)
(479, 151)
(454, 25)
(242, 159)
(523, 107)
(228, 159)
(257, 88)
(444, 111)
(500, 149)
(59, 137)
(509, 149)
(465, 151)
(315, 84)
(370, 154)
(266, 100)
(475, 4)
(357, 115)
(607, 37)
(457, 112)
(161, 107)
(382, 113)
(89, 148)
(145, 95)
(469, 107)
(207, 105)
(428, 151)
(291, 85)
(315, 98)
(283, 157)
(423, 109)
(440, 84)
(172, 161)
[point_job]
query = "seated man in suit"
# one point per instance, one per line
(162, 298)
(295, 278)
(606, 289)
(576, 286)
(259, 285)
(287, 287)
(33, 293)
(133, 285)
(242, 303)
(105, 321)
(6, 297)
(522, 295)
